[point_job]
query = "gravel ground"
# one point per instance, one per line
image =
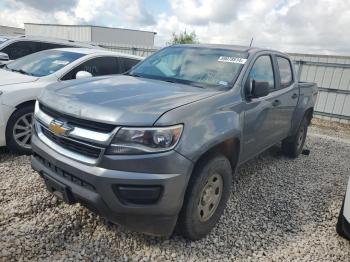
(281, 209)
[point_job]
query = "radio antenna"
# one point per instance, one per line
(251, 42)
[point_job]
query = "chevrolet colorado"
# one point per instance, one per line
(157, 148)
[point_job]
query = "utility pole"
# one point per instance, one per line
(251, 42)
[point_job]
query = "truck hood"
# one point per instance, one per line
(11, 78)
(120, 100)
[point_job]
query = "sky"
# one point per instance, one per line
(303, 26)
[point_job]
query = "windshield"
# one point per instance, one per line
(43, 63)
(204, 67)
(3, 39)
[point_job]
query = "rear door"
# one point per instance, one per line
(288, 91)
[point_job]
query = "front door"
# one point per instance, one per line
(261, 125)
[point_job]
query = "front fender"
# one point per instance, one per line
(19, 96)
(207, 123)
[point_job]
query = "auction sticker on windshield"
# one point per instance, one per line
(230, 59)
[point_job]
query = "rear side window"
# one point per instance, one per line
(127, 63)
(97, 67)
(285, 70)
(21, 48)
(262, 70)
(46, 46)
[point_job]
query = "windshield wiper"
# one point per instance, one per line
(170, 81)
(129, 74)
(21, 71)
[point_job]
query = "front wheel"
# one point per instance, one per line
(19, 130)
(292, 146)
(206, 197)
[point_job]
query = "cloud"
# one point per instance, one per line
(288, 25)
(135, 12)
(109, 12)
(49, 5)
(316, 26)
(206, 11)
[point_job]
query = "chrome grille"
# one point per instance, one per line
(78, 147)
(81, 143)
(91, 125)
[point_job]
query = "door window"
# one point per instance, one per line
(262, 70)
(127, 63)
(285, 70)
(97, 67)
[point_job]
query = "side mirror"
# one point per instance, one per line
(259, 89)
(4, 57)
(83, 74)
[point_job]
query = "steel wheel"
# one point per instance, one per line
(210, 197)
(22, 130)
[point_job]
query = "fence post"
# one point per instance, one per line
(300, 68)
(133, 50)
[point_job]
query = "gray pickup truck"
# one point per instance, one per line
(157, 148)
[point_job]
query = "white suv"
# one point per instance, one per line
(14, 47)
(22, 80)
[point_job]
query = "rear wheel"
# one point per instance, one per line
(292, 146)
(206, 197)
(19, 130)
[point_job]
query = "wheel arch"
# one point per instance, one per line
(26, 103)
(17, 107)
(230, 148)
(309, 114)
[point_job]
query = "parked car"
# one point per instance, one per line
(343, 225)
(22, 80)
(14, 47)
(157, 147)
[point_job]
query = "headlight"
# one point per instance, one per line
(144, 140)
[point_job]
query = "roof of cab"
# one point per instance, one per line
(238, 48)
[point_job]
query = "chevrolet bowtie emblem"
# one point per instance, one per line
(60, 128)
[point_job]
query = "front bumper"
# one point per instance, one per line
(95, 186)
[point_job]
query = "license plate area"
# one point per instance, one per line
(58, 189)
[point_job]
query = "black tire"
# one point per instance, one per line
(340, 223)
(293, 146)
(12, 143)
(190, 223)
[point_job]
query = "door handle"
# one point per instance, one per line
(294, 95)
(276, 103)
